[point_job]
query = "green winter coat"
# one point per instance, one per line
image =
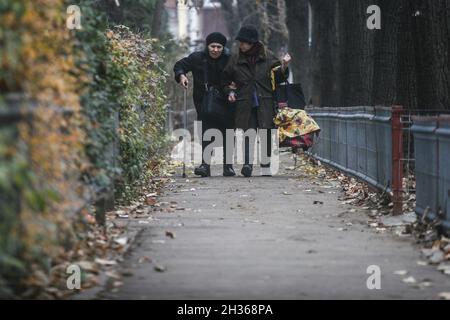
(246, 78)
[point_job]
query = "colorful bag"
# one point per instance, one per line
(296, 128)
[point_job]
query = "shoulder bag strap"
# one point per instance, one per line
(205, 73)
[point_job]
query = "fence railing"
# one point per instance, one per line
(382, 145)
(365, 142)
(432, 153)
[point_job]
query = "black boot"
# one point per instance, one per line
(204, 170)
(228, 170)
(247, 170)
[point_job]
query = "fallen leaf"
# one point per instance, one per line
(401, 272)
(427, 252)
(436, 257)
(144, 259)
(447, 249)
(444, 295)
(105, 262)
(113, 274)
(150, 201)
(87, 266)
(122, 241)
(444, 268)
(160, 268)
(426, 284)
(170, 234)
(409, 280)
(126, 273)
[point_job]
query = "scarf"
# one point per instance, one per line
(253, 54)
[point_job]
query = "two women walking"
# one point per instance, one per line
(246, 79)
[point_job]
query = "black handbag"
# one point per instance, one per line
(290, 94)
(215, 105)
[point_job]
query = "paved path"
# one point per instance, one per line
(266, 238)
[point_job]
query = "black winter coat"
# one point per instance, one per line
(195, 63)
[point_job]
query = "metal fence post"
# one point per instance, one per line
(443, 137)
(427, 166)
(334, 134)
(352, 144)
(371, 141)
(342, 140)
(397, 162)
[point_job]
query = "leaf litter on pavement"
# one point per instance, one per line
(101, 250)
(379, 209)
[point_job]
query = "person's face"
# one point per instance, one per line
(215, 50)
(245, 46)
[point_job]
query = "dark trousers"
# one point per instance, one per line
(222, 127)
(254, 125)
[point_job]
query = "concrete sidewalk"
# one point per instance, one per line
(281, 237)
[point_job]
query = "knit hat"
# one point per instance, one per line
(216, 37)
(248, 34)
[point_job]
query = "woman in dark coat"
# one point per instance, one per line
(249, 82)
(215, 57)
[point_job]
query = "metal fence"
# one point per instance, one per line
(359, 141)
(393, 150)
(432, 153)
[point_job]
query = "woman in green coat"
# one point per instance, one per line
(248, 79)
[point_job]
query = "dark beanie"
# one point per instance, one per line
(216, 37)
(248, 34)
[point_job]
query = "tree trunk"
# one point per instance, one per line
(249, 13)
(278, 37)
(322, 46)
(356, 53)
(297, 19)
(157, 18)
(385, 54)
(431, 28)
(232, 19)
